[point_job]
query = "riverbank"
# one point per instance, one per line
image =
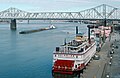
(113, 67)
(98, 68)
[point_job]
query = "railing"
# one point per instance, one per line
(97, 13)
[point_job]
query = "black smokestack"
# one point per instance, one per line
(89, 33)
(105, 22)
(76, 30)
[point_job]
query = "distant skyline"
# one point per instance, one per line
(55, 5)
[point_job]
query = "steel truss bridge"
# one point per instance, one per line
(97, 13)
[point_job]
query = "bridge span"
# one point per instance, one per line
(101, 12)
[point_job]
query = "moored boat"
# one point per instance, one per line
(74, 55)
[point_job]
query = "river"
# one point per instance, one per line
(30, 55)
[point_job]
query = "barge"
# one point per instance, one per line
(37, 30)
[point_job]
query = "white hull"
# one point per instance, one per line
(74, 55)
(80, 60)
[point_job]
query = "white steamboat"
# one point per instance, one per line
(74, 55)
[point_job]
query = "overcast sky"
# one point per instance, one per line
(55, 5)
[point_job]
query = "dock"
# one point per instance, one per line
(113, 70)
(105, 67)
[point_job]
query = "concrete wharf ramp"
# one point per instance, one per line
(101, 68)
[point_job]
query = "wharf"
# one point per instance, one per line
(114, 69)
(101, 68)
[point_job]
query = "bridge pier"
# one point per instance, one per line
(28, 21)
(13, 24)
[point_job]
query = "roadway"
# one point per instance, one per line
(100, 68)
(114, 68)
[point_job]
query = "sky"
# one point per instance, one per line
(55, 5)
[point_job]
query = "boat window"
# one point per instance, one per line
(76, 56)
(86, 47)
(81, 50)
(75, 66)
(57, 49)
(97, 35)
(73, 48)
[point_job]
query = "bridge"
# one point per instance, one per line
(101, 12)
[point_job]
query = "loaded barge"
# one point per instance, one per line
(74, 55)
(37, 30)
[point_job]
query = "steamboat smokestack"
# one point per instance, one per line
(76, 30)
(89, 33)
